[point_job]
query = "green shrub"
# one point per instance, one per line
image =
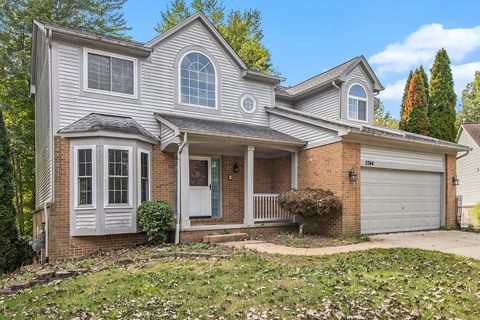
(476, 214)
(156, 219)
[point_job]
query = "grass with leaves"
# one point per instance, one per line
(393, 283)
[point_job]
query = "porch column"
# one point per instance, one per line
(248, 202)
(294, 170)
(185, 188)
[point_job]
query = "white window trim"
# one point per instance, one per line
(75, 177)
(179, 76)
(254, 104)
(357, 99)
(139, 174)
(105, 175)
(86, 51)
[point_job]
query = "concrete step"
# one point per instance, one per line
(216, 238)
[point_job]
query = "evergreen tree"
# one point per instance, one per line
(16, 16)
(425, 80)
(403, 112)
(442, 99)
(470, 111)
(8, 230)
(416, 105)
(242, 30)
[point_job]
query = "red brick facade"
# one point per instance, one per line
(451, 191)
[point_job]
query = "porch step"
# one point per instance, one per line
(216, 238)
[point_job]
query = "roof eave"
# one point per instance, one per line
(108, 134)
(260, 76)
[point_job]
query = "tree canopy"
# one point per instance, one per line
(403, 113)
(384, 118)
(470, 110)
(416, 106)
(242, 30)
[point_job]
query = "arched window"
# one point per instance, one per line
(357, 103)
(197, 80)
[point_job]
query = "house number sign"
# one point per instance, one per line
(369, 163)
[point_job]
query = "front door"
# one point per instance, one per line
(200, 187)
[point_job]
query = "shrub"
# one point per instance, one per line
(310, 202)
(476, 214)
(156, 219)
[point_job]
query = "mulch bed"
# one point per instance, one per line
(292, 239)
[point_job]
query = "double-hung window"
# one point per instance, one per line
(357, 103)
(144, 176)
(118, 176)
(110, 74)
(84, 168)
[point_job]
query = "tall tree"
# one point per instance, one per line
(102, 16)
(470, 110)
(425, 80)
(442, 100)
(242, 30)
(384, 118)
(403, 112)
(416, 104)
(8, 231)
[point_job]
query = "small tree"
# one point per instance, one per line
(310, 202)
(156, 219)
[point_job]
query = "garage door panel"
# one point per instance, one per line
(399, 200)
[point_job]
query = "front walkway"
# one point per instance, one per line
(457, 242)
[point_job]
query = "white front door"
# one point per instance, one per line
(200, 187)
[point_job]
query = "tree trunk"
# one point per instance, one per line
(300, 229)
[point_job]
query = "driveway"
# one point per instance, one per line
(461, 243)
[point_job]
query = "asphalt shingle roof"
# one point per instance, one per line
(473, 130)
(104, 122)
(228, 128)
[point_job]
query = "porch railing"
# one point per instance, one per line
(266, 208)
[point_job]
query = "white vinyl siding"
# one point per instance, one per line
(468, 172)
(324, 104)
(157, 81)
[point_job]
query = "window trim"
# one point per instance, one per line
(179, 80)
(139, 174)
(105, 177)
(357, 99)
(254, 103)
(86, 51)
(92, 206)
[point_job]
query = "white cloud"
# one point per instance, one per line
(420, 47)
(393, 91)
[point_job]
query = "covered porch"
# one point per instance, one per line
(231, 181)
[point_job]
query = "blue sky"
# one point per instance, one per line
(308, 37)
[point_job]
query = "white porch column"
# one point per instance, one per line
(294, 170)
(248, 202)
(185, 188)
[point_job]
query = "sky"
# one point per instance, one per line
(308, 37)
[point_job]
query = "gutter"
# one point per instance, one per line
(179, 193)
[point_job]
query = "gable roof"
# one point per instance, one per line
(473, 129)
(226, 129)
(325, 78)
(97, 122)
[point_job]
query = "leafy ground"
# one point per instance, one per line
(292, 239)
(394, 283)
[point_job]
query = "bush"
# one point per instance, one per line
(310, 202)
(156, 219)
(476, 215)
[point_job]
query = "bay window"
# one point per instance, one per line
(118, 175)
(84, 167)
(144, 176)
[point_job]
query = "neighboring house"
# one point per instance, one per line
(468, 169)
(181, 118)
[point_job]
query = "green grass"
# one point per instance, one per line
(394, 283)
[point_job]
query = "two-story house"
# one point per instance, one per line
(182, 118)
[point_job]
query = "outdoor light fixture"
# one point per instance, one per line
(235, 168)
(352, 175)
(455, 180)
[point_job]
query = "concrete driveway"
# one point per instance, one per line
(461, 243)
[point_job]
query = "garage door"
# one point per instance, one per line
(400, 191)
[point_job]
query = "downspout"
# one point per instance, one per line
(339, 98)
(463, 155)
(179, 193)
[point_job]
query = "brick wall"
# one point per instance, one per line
(327, 167)
(451, 191)
(163, 175)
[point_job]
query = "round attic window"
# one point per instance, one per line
(248, 104)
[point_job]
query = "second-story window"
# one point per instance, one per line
(357, 103)
(197, 80)
(110, 73)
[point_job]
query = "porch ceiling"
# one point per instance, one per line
(261, 151)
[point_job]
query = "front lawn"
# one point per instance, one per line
(394, 283)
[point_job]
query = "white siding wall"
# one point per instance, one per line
(43, 159)
(157, 85)
(312, 134)
(358, 75)
(468, 172)
(323, 104)
(283, 103)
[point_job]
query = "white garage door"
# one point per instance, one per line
(399, 200)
